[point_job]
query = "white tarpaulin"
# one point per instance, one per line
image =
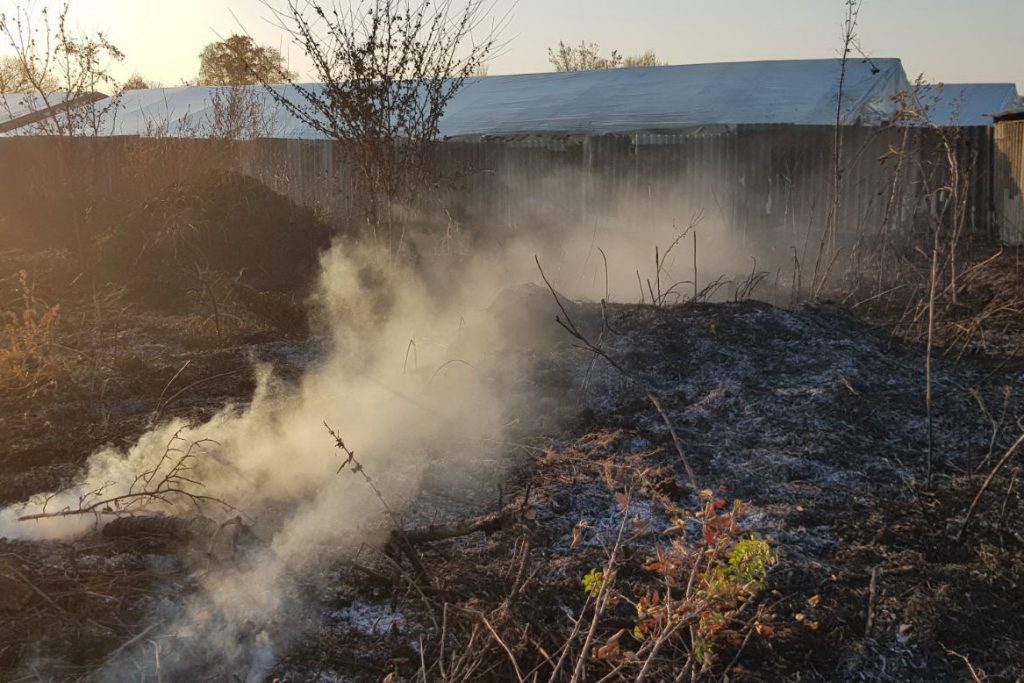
(662, 98)
(14, 106)
(967, 104)
(676, 97)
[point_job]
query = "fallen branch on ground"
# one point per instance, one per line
(488, 524)
(155, 487)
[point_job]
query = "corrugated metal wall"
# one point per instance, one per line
(764, 180)
(770, 184)
(1008, 173)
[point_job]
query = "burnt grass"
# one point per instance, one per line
(812, 416)
(136, 341)
(194, 282)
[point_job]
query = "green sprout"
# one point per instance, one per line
(749, 562)
(745, 570)
(593, 581)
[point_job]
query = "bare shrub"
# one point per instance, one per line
(168, 485)
(588, 57)
(245, 113)
(827, 249)
(58, 67)
(28, 328)
(388, 68)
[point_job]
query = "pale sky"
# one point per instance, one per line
(948, 40)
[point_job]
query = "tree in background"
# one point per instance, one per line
(582, 57)
(388, 69)
(14, 79)
(137, 82)
(588, 57)
(645, 58)
(238, 60)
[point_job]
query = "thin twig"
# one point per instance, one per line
(988, 481)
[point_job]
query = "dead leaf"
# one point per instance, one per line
(578, 533)
(809, 623)
(623, 502)
(678, 526)
(639, 526)
(609, 649)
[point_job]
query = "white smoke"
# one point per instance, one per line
(406, 384)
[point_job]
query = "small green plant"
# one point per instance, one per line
(745, 568)
(749, 562)
(702, 599)
(593, 581)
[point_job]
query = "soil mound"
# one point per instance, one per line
(216, 225)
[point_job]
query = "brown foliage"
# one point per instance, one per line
(238, 60)
(25, 339)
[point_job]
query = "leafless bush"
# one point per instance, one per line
(827, 249)
(243, 113)
(388, 68)
(930, 265)
(58, 67)
(588, 57)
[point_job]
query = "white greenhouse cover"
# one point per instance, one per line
(677, 97)
(662, 98)
(16, 105)
(967, 104)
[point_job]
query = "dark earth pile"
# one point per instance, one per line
(215, 226)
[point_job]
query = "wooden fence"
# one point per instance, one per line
(1008, 179)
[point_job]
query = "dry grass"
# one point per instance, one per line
(26, 351)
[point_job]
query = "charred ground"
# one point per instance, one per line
(814, 417)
